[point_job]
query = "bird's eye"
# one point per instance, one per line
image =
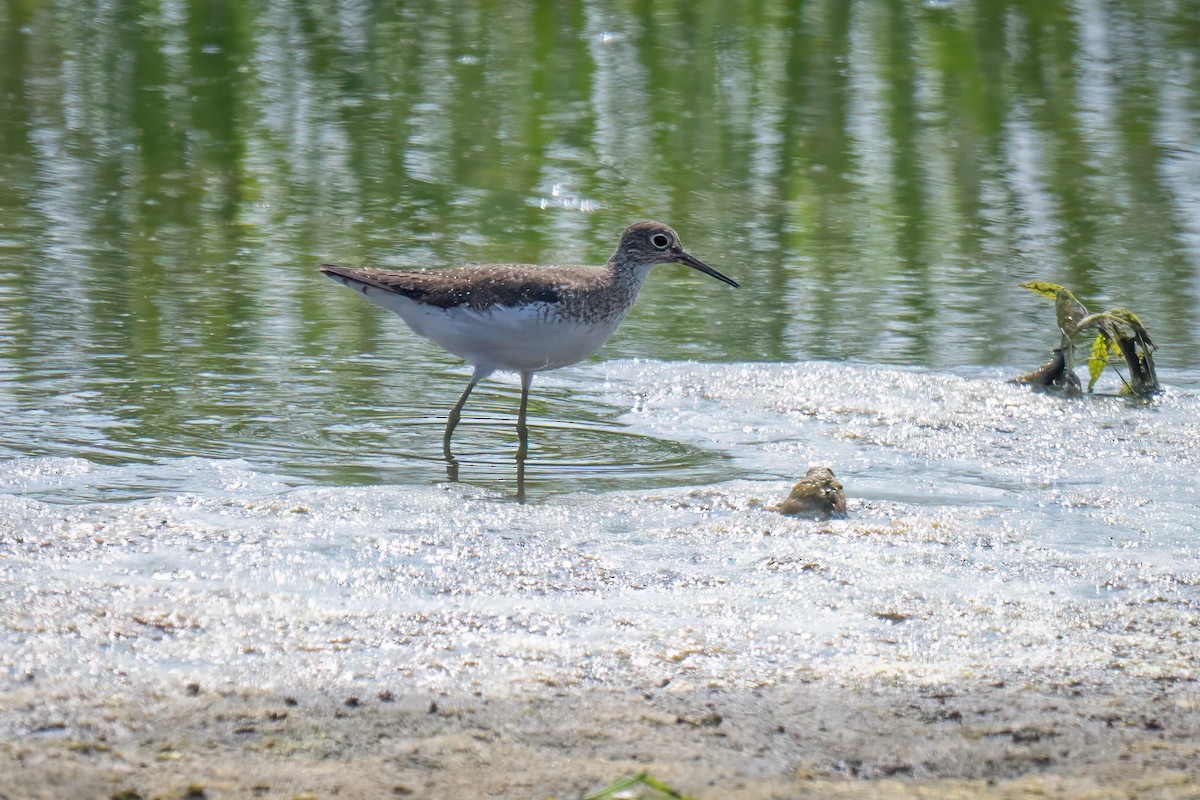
(660, 241)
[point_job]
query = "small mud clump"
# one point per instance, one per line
(818, 495)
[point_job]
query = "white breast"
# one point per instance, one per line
(518, 338)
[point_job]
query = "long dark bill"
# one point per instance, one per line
(697, 264)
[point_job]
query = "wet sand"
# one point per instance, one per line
(804, 740)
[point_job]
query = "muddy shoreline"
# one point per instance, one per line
(976, 740)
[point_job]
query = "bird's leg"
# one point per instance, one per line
(520, 480)
(523, 434)
(522, 428)
(456, 413)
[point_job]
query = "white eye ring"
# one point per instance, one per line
(660, 241)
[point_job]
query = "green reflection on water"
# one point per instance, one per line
(878, 175)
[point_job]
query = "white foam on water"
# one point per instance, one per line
(994, 533)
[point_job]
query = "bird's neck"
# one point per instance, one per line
(627, 275)
(612, 298)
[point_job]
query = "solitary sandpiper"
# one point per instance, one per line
(519, 317)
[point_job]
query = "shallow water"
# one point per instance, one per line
(994, 533)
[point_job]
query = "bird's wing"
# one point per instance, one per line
(478, 287)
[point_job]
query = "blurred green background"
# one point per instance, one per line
(878, 175)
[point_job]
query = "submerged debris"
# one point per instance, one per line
(818, 494)
(1054, 374)
(1119, 334)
